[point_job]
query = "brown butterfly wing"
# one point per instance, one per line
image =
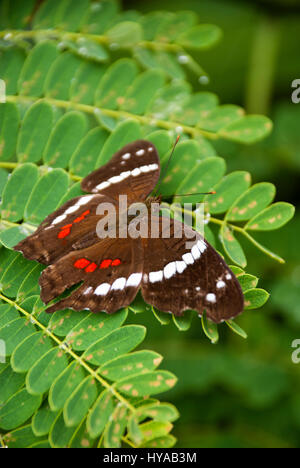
(59, 233)
(134, 170)
(110, 272)
(177, 277)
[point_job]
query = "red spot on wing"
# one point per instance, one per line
(92, 267)
(64, 233)
(116, 262)
(81, 263)
(81, 217)
(105, 263)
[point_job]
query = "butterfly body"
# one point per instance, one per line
(110, 257)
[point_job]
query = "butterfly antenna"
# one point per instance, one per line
(167, 165)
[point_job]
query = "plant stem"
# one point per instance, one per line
(143, 119)
(62, 346)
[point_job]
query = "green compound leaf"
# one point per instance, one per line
(273, 217)
(87, 49)
(187, 152)
(114, 83)
(99, 414)
(85, 82)
(46, 195)
(100, 16)
(232, 247)
(14, 332)
(183, 323)
(160, 442)
(252, 202)
(33, 75)
(158, 411)
(220, 117)
(236, 329)
(60, 435)
(124, 366)
(125, 34)
(200, 37)
(64, 139)
(80, 401)
(124, 133)
(11, 64)
(210, 328)
(248, 129)
(92, 328)
(24, 355)
(12, 236)
(197, 106)
(60, 75)
(84, 157)
(202, 179)
(255, 298)
(151, 384)
(116, 427)
(42, 421)
(45, 370)
(155, 429)
(114, 344)
(9, 123)
(35, 131)
(247, 281)
(17, 191)
(140, 93)
(10, 383)
(26, 404)
(21, 438)
(227, 191)
(64, 385)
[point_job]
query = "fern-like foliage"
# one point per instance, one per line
(82, 80)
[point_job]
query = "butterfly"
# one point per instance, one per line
(174, 272)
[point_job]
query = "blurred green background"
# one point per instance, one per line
(246, 393)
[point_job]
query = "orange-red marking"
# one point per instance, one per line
(105, 263)
(63, 233)
(65, 230)
(116, 262)
(92, 267)
(81, 263)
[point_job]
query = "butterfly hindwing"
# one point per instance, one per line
(110, 272)
(187, 273)
(133, 171)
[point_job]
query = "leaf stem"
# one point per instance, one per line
(143, 119)
(77, 358)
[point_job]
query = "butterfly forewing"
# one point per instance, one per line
(187, 273)
(132, 171)
(74, 222)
